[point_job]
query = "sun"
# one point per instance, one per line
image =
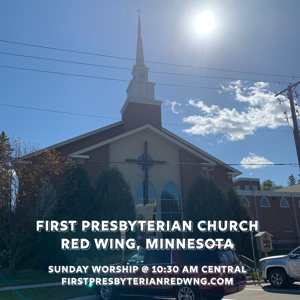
(204, 22)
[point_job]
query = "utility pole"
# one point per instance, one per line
(295, 123)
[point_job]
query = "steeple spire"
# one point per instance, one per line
(140, 107)
(139, 48)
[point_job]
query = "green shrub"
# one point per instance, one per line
(4, 259)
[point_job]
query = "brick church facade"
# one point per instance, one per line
(278, 211)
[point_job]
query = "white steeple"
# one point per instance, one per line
(139, 48)
(140, 92)
(139, 87)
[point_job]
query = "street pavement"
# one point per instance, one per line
(253, 291)
(262, 291)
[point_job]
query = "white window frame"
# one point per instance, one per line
(284, 206)
(262, 201)
(246, 203)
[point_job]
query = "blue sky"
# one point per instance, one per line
(237, 121)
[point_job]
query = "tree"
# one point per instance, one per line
(269, 185)
(112, 201)
(277, 187)
(6, 169)
(113, 198)
(240, 212)
(75, 197)
(75, 202)
(291, 180)
(207, 201)
(24, 172)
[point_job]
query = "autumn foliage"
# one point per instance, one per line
(24, 171)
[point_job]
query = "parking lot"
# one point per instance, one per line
(252, 292)
(266, 292)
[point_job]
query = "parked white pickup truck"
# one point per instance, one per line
(281, 270)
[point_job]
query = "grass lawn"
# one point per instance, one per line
(48, 293)
(21, 278)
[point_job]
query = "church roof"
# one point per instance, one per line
(292, 189)
(214, 159)
(166, 135)
(79, 137)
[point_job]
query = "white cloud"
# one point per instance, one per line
(173, 106)
(210, 144)
(202, 106)
(251, 174)
(261, 111)
(256, 161)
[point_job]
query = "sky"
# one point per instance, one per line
(234, 117)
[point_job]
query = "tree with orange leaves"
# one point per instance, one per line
(25, 171)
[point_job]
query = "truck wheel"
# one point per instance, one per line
(277, 278)
(186, 293)
(107, 292)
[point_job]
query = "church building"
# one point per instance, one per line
(159, 165)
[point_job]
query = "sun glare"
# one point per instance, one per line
(204, 22)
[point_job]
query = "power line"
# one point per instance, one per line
(154, 62)
(106, 78)
(129, 69)
(57, 111)
(113, 118)
(166, 163)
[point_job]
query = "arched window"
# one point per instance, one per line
(46, 200)
(140, 198)
(284, 203)
(245, 201)
(264, 202)
(170, 202)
